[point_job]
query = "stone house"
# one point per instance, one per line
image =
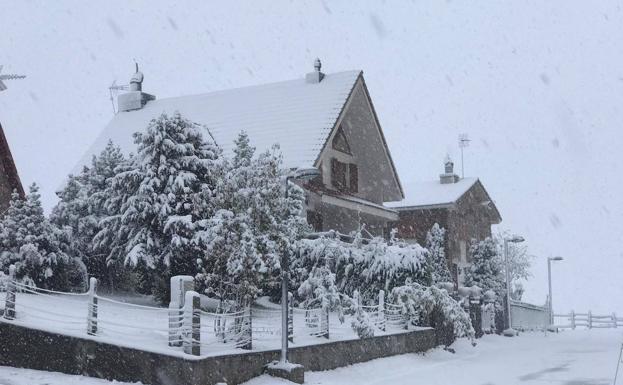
(9, 179)
(324, 120)
(460, 205)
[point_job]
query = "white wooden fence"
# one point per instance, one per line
(589, 320)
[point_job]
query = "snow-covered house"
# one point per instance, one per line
(9, 179)
(324, 120)
(460, 205)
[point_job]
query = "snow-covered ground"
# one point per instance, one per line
(580, 357)
(14, 376)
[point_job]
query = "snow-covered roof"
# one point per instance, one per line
(433, 193)
(296, 114)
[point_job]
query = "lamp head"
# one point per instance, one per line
(555, 258)
(515, 239)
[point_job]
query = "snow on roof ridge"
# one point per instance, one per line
(433, 193)
(294, 113)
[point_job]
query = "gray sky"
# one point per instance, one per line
(537, 85)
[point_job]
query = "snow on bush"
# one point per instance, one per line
(36, 248)
(365, 265)
(420, 302)
(437, 265)
(485, 270)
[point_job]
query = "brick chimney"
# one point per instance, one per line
(449, 176)
(316, 76)
(135, 98)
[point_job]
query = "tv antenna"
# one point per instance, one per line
(114, 92)
(8, 77)
(463, 142)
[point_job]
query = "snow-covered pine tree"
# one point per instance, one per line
(30, 242)
(486, 270)
(82, 206)
(436, 262)
(156, 203)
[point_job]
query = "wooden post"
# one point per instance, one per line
(572, 319)
(290, 318)
(192, 323)
(381, 311)
(9, 307)
(249, 325)
(92, 310)
(590, 320)
(323, 322)
(614, 320)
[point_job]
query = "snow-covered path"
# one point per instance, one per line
(580, 357)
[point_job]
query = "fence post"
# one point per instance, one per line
(92, 307)
(9, 307)
(590, 320)
(573, 319)
(180, 284)
(290, 318)
(381, 310)
(324, 320)
(249, 345)
(192, 323)
(614, 319)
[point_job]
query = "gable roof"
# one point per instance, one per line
(9, 165)
(432, 194)
(298, 115)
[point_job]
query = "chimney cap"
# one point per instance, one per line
(317, 64)
(316, 76)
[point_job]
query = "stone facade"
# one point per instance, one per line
(9, 179)
(468, 218)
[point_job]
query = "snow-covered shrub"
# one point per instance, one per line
(361, 323)
(81, 208)
(437, 270)
(421, 303)
(486, 269)
(364, 265)
(31, 243)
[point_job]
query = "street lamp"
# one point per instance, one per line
(302, 174)
(514, 239)
(549, 282)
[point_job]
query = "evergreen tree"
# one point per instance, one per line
(158, 200)
(82, 207)
(437, 264)
(486, 270)
(30, 242)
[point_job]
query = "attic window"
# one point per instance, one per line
(339, 141)
(344, 176)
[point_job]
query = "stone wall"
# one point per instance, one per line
(36, 349)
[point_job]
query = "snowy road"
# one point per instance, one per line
(580, 357)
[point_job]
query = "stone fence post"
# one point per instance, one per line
(180, 284)
(192, 323)
(92, 307)
(9, 307)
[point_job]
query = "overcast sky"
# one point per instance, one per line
(536, 85)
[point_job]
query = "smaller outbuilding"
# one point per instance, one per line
(462, 206)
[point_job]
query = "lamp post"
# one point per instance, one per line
(549, 283)
(514, 239)
(302, 174)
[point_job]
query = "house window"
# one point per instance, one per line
(344, 176)
(340, 143)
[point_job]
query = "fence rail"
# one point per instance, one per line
(589, 320)
(184, 324)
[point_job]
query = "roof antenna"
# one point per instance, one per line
(463, 142)
(8, 77)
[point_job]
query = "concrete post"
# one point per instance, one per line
(572, 319)
(9, 307)
(92, 310)
(290, 318)
(192, 323)
(381, 311)
(180, 284)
